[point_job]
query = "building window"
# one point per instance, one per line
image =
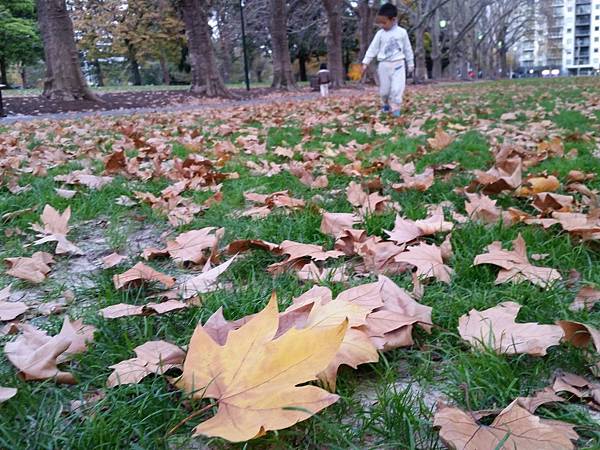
(597, 28)
(596, 39)
(597, 17)
(595, 50)
(570, 9)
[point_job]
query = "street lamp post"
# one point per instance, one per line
(246, 75)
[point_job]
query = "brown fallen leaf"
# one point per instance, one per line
(481, 207)
(427, 258)
(420, 182)
(205, 282)
(54, 228)
(515, 265)
(577, 386)
(112, 260)
(406, 230)
(547, 202)
(505, 176)
(537, 185)
(10, 310)
(126, 310)
(496, 328)
(372, 203)
(190, 246)
(141, 273)
(441, 140)
(311, 272)
(335, 224)
(84, 178)
(34, 268)
(306, 178)
(299, 254)
(6, 393)
(153, 357)
(65, 193)
(36, 354)
(255, 378)
(586, 298)
(514, 428)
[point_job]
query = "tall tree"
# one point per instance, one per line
(205, 72)
(64, 79)
(334, 10)
(366, 11)
(283, 77)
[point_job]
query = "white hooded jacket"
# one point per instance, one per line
(391, 45)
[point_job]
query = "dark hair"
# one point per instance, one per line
(323, 66)
(388, 10)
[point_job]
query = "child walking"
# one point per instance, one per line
(324, 80)
(391, 46)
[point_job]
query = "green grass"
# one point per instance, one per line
(383, 405)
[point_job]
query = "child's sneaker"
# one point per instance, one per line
(385, 109)
(396, 113)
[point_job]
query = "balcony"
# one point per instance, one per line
(587, 9)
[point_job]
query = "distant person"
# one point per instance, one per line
(324, 80)
(392, 48)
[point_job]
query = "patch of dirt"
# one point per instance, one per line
(35, 105)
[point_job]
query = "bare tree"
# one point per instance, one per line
(205, 74)
(366, 10)
(283, 78)
(334, 12)
(64, 79)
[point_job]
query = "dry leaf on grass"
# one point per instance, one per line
(112, 260)
(428, 261)
(127, 310)
(441, 140)
(6, 393)
(84, 178)
(537, 185)
(515, 264)
(505, 176)
(36, 354)
(496, 328)
(547, 202)
(411, 180)
(335, 224)
(11, 310)
(205, 282)
(34, 268)
(190, 246)
(514, 428)
(586, 298)
(141, 273)
(54, 228)
(153, 357)
(373, 203)
(579, 387)
(481, 207)
(255, 378)
(299, 254)
(406, 230)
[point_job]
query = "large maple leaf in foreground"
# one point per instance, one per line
(255, 378)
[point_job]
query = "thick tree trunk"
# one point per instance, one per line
(366, 31)
(436, 51)
(136, 76)
(3, 74)
(420, 63)
(333, 9)
(283, 77)
(205, 74)
(99, 73)
(164, 68)
(225, 58)
(302, 60)
(64, 79)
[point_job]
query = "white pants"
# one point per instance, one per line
(392, 81)
(324, 90)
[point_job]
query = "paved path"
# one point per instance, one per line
(182, 108)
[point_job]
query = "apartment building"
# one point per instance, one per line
(564, 36)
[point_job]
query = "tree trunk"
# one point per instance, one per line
(136, 76)
(366, 25)
(283, 77)
(205, 74)
(3, 75)
(302, 59)
(23, 76)
(333, 9)
(164, 68)
(99, 73)
(64, 79)
(225, 58)
(436, 51)
(420, 63)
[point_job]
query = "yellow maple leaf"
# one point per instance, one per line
(255, 378)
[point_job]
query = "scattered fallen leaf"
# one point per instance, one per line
(496, 328)
(255, 378)
(112, 260)
(34, 268)
(7, 393)
(141, 273)
(153, 357)
(54, 228)
(586, 298)
(427, 258)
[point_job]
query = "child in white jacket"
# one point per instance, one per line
(392, 49)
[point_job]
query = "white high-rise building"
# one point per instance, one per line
(565, 35)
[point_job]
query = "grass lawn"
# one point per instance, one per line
(389, 404)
